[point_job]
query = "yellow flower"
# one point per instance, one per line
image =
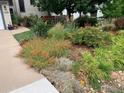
(82, 82)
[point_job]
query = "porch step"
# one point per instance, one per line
(41, 86)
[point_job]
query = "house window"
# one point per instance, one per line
(31, 2)
(10, 2)
(22, 5)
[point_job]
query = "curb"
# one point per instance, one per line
(40, 86)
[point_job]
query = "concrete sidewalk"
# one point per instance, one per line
(14, 73)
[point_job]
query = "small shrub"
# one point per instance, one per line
(41, 53)
(76, 67)
(91, 37)
(81, 22)
(57, 32)
(31, 20)
(40, 28)
(16, 19)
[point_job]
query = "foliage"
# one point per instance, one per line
(57, 32)
(91, 37)
(82, 6)
(25, 36)
(76, 67)
(113, 8)
(55, 6)
(40, 28)
(81, 21)
(98, 65)
(31, 20)
(16, 19)
(41, 53)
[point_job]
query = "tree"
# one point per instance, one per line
(93, 4)
(70, 6)
(55, 6)
(113, 8)
(82, 6)
(58, 6)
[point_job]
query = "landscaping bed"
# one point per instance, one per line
(78, 60)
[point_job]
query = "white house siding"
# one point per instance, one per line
(6, 14)
(29, 9)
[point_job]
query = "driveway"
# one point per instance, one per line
(14, 73)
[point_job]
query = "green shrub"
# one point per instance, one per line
(16, 19)
(57, 32)
(76, 67)
(40, 28)
(91, 37)
(31, 20)
(85, 20)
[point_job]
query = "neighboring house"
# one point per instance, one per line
(22, 7)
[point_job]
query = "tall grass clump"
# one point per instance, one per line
(41, 53)
(57, 32)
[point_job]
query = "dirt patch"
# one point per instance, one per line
(77, 52)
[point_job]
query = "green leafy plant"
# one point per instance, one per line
(31, 20)
(91, 37)
(57, 32)
(40, 28)
(16, 19)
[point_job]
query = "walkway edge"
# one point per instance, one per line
(40, 86)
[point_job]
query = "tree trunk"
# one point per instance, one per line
(69, 15)
(80, 14)
(49, 14)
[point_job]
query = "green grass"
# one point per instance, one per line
(25, 36)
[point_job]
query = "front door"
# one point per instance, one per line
(1, 21)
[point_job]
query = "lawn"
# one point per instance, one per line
(25, 36)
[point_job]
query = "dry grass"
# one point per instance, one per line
(42, 52)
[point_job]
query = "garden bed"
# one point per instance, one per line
(79, 60)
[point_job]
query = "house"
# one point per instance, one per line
(22, 7)
(5, 17)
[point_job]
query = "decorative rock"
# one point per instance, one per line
(114, 75)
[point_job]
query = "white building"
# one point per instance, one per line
(22, 7)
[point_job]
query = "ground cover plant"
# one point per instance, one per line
(25, 36)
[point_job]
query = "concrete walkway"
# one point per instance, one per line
(14, 73)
